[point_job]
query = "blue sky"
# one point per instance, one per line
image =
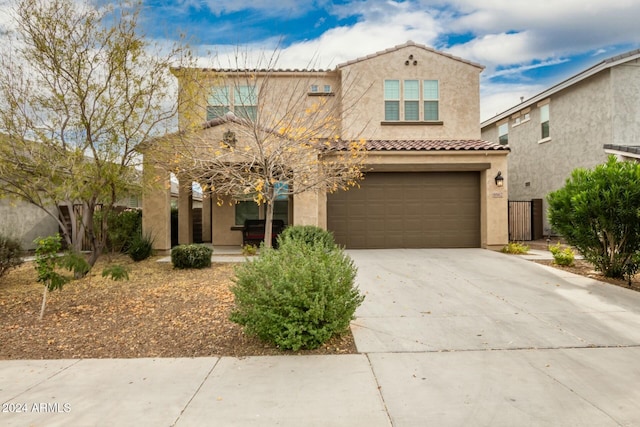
(526, 46)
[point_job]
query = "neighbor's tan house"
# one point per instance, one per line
(430, 179)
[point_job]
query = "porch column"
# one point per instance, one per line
(156, 207)
(185, 212)
(207, 237)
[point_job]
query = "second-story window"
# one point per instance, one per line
(218, 102)
(242, 100)
(544, 121)
(411, 100)
(503, 133)
(392, 99)
(431, 100)
(245, 102)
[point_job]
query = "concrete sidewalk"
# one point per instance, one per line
(447, 338)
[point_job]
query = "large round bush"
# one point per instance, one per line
(298, 296)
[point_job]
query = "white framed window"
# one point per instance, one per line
(431, 100)
(245, 101)
(327, 88)
(392, 100)
(218, 102)
(544, 122)
(242, 100)
(521, 117)
(411, 100)
(503, 133)
(314, 88)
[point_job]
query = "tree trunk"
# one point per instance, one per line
(268, 225)
(44, 301)
(268, 218)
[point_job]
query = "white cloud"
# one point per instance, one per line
(290, 8)
(366, 37)
(497, 98)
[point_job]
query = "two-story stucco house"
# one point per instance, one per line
(576, 123)
(430, 180)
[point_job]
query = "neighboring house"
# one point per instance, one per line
(576, 123)
(430, 180)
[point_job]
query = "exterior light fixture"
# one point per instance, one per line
(499, 179)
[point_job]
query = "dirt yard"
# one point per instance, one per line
(159, 312)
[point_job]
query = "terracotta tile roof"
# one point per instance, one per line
(434, 145)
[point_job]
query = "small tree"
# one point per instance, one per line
(45, 263)
(598, 212)
(80, 90)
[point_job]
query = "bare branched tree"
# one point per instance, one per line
(269, 137)
(80, 90)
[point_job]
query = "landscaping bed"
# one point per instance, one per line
(158, 312)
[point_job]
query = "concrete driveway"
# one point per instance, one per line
(473, 337)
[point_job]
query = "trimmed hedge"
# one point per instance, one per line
(191, 256)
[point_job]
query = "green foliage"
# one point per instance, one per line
(122, 228)
(75, 262)
(116, 272)
(191, 256)
(561, 256)
(10, 254)
(309, 234)
(249, 250)
(47, 259)
(140, 247)
(598, 212)
(298, 296)
(515, 248)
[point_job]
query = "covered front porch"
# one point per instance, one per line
(220, 219)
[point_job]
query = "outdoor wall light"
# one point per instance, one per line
(499, 179)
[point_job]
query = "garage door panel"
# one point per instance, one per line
(412, 210)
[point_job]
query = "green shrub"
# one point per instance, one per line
(308, 234)
(122, 228)
(249, 250)
(562, 256)
(515, 248)
(10, 254)
(191, 256)
(597, 212)
(116, 272)
(296, 297)
(140, 248)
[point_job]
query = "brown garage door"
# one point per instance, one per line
(408, 210)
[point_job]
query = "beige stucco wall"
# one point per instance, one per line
(280, 94)
(25, 222)
(459, 95)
